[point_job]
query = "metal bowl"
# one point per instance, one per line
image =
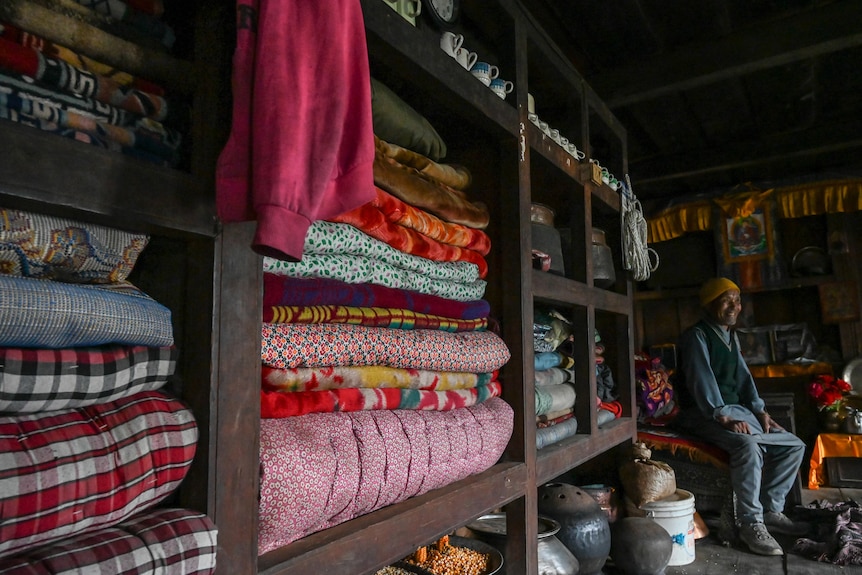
(811, 261)
(495, 561)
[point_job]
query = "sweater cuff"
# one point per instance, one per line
(280, 233)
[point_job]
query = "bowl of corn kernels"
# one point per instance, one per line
(451, 555)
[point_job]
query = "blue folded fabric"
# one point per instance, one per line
(555, 433)
(46, 313)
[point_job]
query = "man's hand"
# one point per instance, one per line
(767, 423)
(733, 424)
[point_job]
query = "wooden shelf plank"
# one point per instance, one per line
(553, 152)
(48, 173)
(548, 286)
(554, 460)
(389, 534)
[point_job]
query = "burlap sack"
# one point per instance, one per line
(645, 480)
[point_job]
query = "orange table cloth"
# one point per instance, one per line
(775, 370)
(831, 445)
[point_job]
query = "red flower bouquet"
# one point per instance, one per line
(828, 392)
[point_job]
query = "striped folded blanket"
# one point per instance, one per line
(369, 316)
(285, 290)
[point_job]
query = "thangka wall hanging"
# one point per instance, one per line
(746, 240)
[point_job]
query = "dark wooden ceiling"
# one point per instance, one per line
(717, 93)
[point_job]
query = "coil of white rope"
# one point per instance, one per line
(636, 253)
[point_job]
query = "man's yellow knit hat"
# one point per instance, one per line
(713, 288)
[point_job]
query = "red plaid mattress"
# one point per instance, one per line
(67, 472)
(161, 541)
(34, 380)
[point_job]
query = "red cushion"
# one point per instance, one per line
(157, 541)
(70, 471)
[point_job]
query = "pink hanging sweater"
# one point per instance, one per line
(301, 146)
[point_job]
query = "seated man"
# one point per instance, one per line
(720, 404)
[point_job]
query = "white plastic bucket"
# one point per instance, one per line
(676, 514)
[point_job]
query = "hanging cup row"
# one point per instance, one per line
(552, 133)
(607, 177)
(486, 73)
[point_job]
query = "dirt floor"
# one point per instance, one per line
(714, 558)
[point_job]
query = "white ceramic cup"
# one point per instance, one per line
(485, 72)
(466, 58)
(502, 87)
(451, 42)
(410, 8)
(555, 135)
(533, 118)
(546, 129)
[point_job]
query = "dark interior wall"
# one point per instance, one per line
(667, 302)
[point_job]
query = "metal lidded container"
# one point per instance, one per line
(554, 557)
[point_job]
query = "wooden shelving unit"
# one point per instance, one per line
(209, 277)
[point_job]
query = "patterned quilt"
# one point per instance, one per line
(320, 470)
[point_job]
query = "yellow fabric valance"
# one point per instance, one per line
(811, 199)
(679, 220)
(819, 198)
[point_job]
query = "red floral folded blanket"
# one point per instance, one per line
(373, 222)
(369, 376)
(276, 404)
(368, 316)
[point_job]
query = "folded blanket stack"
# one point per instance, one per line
(379, 377)
(554, 379)
(84, 356)
(65, 89)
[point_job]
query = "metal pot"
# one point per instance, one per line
(584, 527)
(554, 557)
(603, 260)
(853, 422)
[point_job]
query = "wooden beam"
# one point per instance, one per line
(824, 30)
(755, 161)
(822, 139)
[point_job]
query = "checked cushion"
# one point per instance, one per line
(63, 473)
(33, 380)
(157, 542)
